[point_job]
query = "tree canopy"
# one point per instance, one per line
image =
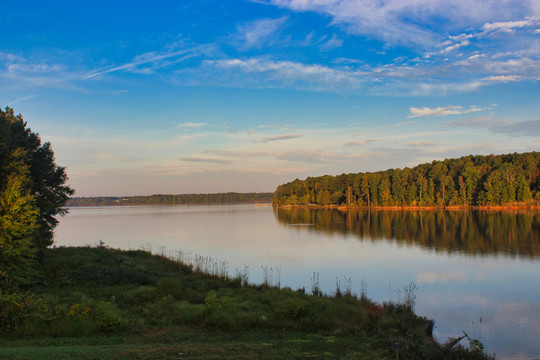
(33, 191)
(466, 181)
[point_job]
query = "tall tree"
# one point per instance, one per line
(47, 181)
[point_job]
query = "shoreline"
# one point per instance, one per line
(421, 208)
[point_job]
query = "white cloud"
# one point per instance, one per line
(149, 62)
(509, 26)
(332, 43)
(282, 73)
(455, 46)
(190, 125)
(260, 32)
(21, 72)
(503, 78)
(441, 111)
(415, 22)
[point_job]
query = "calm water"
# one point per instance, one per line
(477, 272)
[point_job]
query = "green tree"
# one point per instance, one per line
(47, 180)
(19, 221)
(32, 193)
(385, 195)
(324, 197)
(365, 189)
(523, 190)
(422, 184)
(471, 177)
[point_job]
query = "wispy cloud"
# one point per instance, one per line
(190, 125)
(441, 111)
(291, 74)
(236, 153)
(500, 125)
(205, 160)
(422, 143)
(503, 78)
(511, 26)
(19, 71)
(278, 138)
(412, 22)
(259, 32)
(152, 61)
(356, 143)
(21, 99)
(332, 43)
(315, 156)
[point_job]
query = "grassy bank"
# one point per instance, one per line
(96, 303)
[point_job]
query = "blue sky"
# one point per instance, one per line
(141, 97)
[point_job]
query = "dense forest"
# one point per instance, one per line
(219, 198)
(466, 181)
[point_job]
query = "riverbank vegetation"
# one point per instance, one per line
(94, 303)
(161, 199)
(468, 181)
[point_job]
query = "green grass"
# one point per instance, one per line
(189, 343)
(99, 303)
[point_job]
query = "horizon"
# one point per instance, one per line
(243, 96)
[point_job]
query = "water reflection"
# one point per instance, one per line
(467, 232)
(467, 265)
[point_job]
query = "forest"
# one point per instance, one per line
(159, 199)
(473, 180)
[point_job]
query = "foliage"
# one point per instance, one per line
(32, 193)
(467, 181)
(64, 302)
(19, 221)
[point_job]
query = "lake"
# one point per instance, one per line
(471, 271)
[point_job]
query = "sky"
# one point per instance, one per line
(171, 97)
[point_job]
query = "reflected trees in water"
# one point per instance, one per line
(468, 232)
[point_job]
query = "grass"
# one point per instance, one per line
(188, 343)
(96, 303)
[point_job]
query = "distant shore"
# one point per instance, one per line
(172, 199)
(269, 203)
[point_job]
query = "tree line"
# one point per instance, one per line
(160, 199)
(33, 191)
(473, 180)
